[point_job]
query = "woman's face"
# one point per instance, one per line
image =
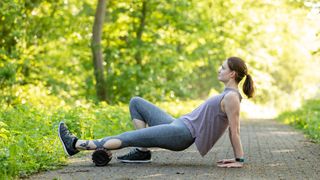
(224, 73)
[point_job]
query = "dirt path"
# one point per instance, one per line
(273, 151)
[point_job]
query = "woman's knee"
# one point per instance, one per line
(134, 101)
(133, 108)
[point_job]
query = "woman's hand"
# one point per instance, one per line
(226, 161)
(229, 163)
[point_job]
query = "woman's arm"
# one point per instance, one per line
(231, 105)
(232, 109)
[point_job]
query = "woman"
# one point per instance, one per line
(155, 128)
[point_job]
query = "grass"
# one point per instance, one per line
(28, 134)
(306, 118)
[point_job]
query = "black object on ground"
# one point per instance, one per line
(100, 157)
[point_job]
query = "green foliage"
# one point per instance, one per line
(28, 143)
(28, 134)
(7, 80)
(305, 118)
(170, 50)
(175, 53)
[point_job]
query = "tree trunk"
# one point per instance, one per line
(139, 33)
(96, 50)
(140, 30)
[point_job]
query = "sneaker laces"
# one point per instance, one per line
(132, 152)
(66, 131)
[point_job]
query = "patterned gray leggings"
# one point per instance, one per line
(164, 131)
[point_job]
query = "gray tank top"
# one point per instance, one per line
(208, 122)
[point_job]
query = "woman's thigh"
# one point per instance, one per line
(175, 136)
(149, 113)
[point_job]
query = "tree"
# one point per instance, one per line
(96, 50)
(139, 33)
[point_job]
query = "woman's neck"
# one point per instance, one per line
(231, 84)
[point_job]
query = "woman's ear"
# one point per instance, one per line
(233, 74)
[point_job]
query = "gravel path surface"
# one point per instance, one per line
(272, 151)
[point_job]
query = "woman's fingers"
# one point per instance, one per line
(220, 161)
(231, 165)
(225, 161)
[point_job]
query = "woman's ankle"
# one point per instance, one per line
(85, 145)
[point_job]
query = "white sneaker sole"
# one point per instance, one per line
(130, 161)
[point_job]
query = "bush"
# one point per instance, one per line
(306, 118)
(28, 134)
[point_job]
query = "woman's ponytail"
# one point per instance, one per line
(239, 66)
(248, 87)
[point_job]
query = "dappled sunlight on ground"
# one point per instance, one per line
(284, 133)
(154, 175)
(283, 151)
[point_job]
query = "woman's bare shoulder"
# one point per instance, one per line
(231, 96)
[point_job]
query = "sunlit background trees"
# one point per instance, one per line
(160, 50)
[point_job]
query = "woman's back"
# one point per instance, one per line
(208, 122)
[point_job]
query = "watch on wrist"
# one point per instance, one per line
(239, 159)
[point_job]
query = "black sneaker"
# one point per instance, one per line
(136, 156)
(68, 140)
